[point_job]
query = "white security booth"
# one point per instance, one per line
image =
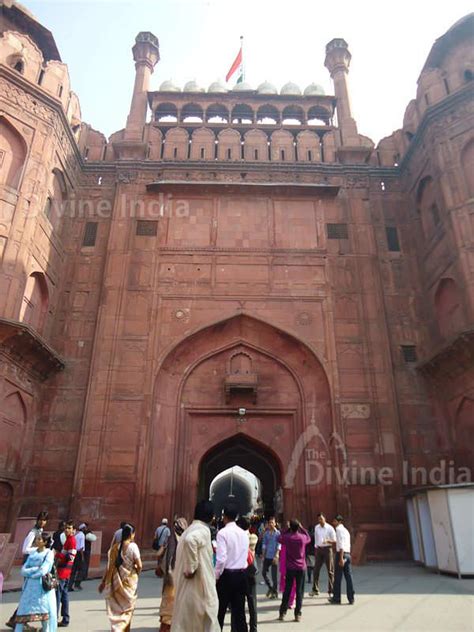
(441, 520)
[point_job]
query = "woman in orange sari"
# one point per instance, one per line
(120, 580)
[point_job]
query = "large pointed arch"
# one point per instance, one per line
(218, 322)
(13, 152)
(191, 414)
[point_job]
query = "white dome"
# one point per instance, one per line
(217, 86)
(267, 88)
(290, 88)
(192, 86)
(314, 89)
(168, 86)
(242, 87)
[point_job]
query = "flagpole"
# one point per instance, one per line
(242, 51)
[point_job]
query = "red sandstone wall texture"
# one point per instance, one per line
(147, 322)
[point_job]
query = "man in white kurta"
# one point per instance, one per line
(196, 603)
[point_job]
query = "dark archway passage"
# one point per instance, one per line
(250, 455)
(238, 486)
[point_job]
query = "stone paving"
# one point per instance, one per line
(388, 597)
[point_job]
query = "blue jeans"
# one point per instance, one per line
(345, 570)
(62, 596)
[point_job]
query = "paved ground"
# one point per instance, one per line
(388, 597)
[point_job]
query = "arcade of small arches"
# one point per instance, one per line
(243, 114)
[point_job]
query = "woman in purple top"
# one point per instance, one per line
(294, 540)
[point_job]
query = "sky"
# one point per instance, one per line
(199, 39)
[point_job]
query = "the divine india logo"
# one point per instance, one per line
(325, 461)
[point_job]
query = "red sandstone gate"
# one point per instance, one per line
(241, 363)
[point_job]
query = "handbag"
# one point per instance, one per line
(50, 580)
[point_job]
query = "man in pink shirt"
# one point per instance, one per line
(295, 540)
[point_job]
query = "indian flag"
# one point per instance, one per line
(237, 66)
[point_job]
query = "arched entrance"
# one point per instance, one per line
(252, 456)
(238, 392)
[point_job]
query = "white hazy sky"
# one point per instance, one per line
(199, 39)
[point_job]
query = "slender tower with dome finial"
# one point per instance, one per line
(146, 54)
(338, 59)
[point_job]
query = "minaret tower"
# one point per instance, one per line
(338, 59)
(146, 54)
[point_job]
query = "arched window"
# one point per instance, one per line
(241, 363)
(318, 115)
(34, 307)
(166, 113)
(192, 113)
(202, 144)
(12, 154)
(282, 146)
(268, 115)
(176, 144)
(467, 162)
(308, 147)
(229, 147)
(217, 113)
(19, 66)
(448, 307)
(48, 207)
(243, 114)
(55, 205)
(293, 115)
(427, 206)
(255, 145)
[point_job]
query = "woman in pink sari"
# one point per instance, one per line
(291, 601)
(120, 580)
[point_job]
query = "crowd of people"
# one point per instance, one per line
(53, 566)
(208, 568)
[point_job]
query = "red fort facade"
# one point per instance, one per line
(237, 277)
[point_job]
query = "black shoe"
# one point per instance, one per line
(351, 601)
(78, 587)
(333, 601)
(63, 624)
